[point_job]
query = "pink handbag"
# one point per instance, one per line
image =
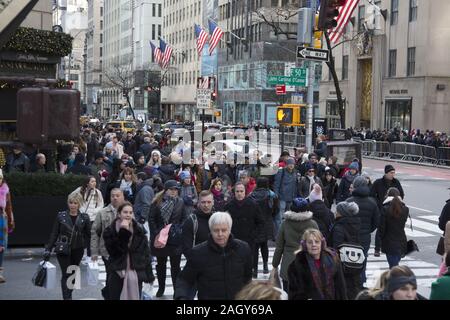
(161, 238)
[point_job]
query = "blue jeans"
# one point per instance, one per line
(284, 206)
(393, 260)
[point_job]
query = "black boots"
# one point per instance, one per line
(266, 268)
(161, 274)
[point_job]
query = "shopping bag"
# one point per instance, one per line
(50, 280)
(93, 271)
(161, 238)
(147, 291)
(40, 275)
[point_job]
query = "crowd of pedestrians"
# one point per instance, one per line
(140, 205)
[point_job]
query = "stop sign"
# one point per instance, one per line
(280, 89)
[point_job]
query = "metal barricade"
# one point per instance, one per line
(397, 150)
(444, 155)
(382, 149)
(413, 151)
(368, 147)
(429, 154)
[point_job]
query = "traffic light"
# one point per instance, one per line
(328, 13)
(317, 34)
(290, 114)
(285, 115)
(213, 96)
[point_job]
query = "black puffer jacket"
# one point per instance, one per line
(265, 203)
(63, 227)
(368, 213)
(117, 244)
(345, 230)
(220, 273)
(323, 216)
(247, 219)
(445, 216)
(202, 233)
(156, 223)
(392, 230)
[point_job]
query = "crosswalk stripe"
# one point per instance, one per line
(433, 218)
(416, 233)
(425, 226)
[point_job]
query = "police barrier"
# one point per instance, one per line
(429, 154)
(398, 150)
(382, 149)
(444, 155)
(413, 151)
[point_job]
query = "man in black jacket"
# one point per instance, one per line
(195, 227)
(445, 215)
(379, 190)
(369, 214)
(220, 267)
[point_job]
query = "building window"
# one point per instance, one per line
(412, 10)
(154, 10)
(344, 67)
(153, 31)
(394, 12)
(398, 114)
(361, 17)
(411, 70)
(159, 10)
(392, 63)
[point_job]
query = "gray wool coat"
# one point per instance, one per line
(289, 237)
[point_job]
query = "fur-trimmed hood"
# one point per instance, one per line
(298, 216)
(389, 199)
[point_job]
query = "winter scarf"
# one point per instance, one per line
(166, 208)
(326, 272)
(130, 288)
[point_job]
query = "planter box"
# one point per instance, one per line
(34, 216)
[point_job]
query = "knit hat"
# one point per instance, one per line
(299, 205)
(309, 166)
(290, 161)
(99, 155)
(388, 168)
(171, 184)
(347, 209)
(137, 155)
(354, 165)
(316, 193)
(359, 182)
(185, 175)
(395, 283)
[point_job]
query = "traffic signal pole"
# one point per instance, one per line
(310, 98)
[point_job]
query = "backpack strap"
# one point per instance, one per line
(194, 227)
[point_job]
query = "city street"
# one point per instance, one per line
(426, 190)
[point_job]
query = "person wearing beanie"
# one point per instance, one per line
(188, 192)
(79, 167)
(379, 190)
(346, 230)
(307, 182)
(321, 213)
(139, 160)
(369, 214)
(330, 186)
(294, 224)
(401, 285)
(166, 208)
(344, 190)
(286, 188)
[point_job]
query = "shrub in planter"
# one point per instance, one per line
(42, 184)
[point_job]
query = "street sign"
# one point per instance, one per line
(204, 98)
(313, 54)
(280, 89)
(290, 81)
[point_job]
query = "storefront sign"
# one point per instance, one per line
(402, 91)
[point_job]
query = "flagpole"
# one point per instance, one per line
(234, 35)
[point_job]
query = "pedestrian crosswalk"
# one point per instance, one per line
(425, 272)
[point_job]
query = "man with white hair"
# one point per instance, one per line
(220, 266)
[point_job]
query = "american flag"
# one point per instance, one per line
(345, 12)
(216, 33)
(202, 37)
(157, 54)
(167, 51)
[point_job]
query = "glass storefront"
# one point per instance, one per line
(398, 114)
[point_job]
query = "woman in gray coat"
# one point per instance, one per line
(291, 231)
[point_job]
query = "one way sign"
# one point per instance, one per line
(313, 54)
